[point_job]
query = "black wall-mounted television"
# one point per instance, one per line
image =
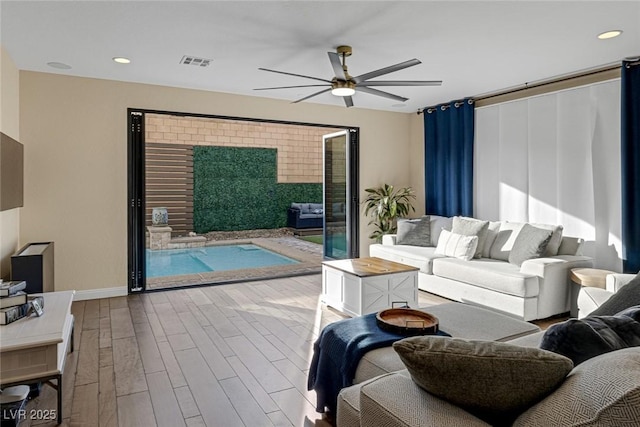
(11, 173)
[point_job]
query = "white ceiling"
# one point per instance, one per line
(476, 47)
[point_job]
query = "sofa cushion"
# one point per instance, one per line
(439, 223)
(554, 242)
(471, 227)
(504, 240)
(570, 246)
(603, 391)
(492, 232)
(415, 256)
(582, 339)
(488, 273)
(494, 381)
(316, 206)
(457, 245)
(530, 243)
(416, 232)
(626, 296)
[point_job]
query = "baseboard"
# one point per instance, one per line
(119, 291)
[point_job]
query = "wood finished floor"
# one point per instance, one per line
(224, 356)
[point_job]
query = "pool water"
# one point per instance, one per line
(174, 262)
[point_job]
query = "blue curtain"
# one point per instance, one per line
(630, 150)
(448, 153)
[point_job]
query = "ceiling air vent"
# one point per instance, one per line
(198, 62)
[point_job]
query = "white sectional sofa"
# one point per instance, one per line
(536, 289)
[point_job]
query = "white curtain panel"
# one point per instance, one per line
(554, 159)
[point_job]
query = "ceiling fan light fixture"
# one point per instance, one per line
(343, 91)
(609, 34)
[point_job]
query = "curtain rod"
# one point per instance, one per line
(540, 84)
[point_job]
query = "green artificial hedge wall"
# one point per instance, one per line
(237, 188)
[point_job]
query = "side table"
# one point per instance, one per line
(366, 285)
(591, 277)
(34, 349)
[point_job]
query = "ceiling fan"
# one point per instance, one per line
(345, 85)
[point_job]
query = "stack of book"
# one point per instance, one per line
(14, 303)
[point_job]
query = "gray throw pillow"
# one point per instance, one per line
(627, 296)
(492, 380)
(471, 227)
(530, 243)
(415, 232)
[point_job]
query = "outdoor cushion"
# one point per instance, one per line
(488, 273)
(494, 381)
(316, 206)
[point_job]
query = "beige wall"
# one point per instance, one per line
(75, 136)
(416, 161)
(299, 148)
(9, 125)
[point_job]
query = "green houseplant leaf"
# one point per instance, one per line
(385, 204)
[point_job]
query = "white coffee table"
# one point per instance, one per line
(368, 285)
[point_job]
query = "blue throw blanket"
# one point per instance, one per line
(338, 351)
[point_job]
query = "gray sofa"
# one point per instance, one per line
(603, 391)
(537, 289)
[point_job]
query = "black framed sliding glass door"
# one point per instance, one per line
(340, 188)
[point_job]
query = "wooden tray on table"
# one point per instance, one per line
(407, 321)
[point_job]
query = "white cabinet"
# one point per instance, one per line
(356, 292)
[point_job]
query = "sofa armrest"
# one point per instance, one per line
(553, 281)
(389, 239)
(395, 400)
(615, 281)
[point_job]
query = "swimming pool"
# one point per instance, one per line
(175, 262)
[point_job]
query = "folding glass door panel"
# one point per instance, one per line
(340, 196)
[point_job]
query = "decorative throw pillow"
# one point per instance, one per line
(627, 296)
(505, 239)
(492, 380)
(554, 242)
(317, 211)
(492, 232)
(582, 339)
(471, 227)
(415, 232)
(456, 245)
(439, 223)
(530, 243)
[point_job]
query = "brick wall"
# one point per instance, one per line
(299, 147)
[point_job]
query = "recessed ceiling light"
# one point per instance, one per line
(121, 60)
(59, 65)
(609, 34)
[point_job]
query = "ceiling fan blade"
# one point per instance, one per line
(337, 66)
(288, 87)
(296, 75)
(402, 83)
(386, 70)
(311, 96)
(348, 101)
(377, 92)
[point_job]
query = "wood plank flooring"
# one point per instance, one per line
(227, 355)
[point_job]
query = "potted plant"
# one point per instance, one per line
(386, 204)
